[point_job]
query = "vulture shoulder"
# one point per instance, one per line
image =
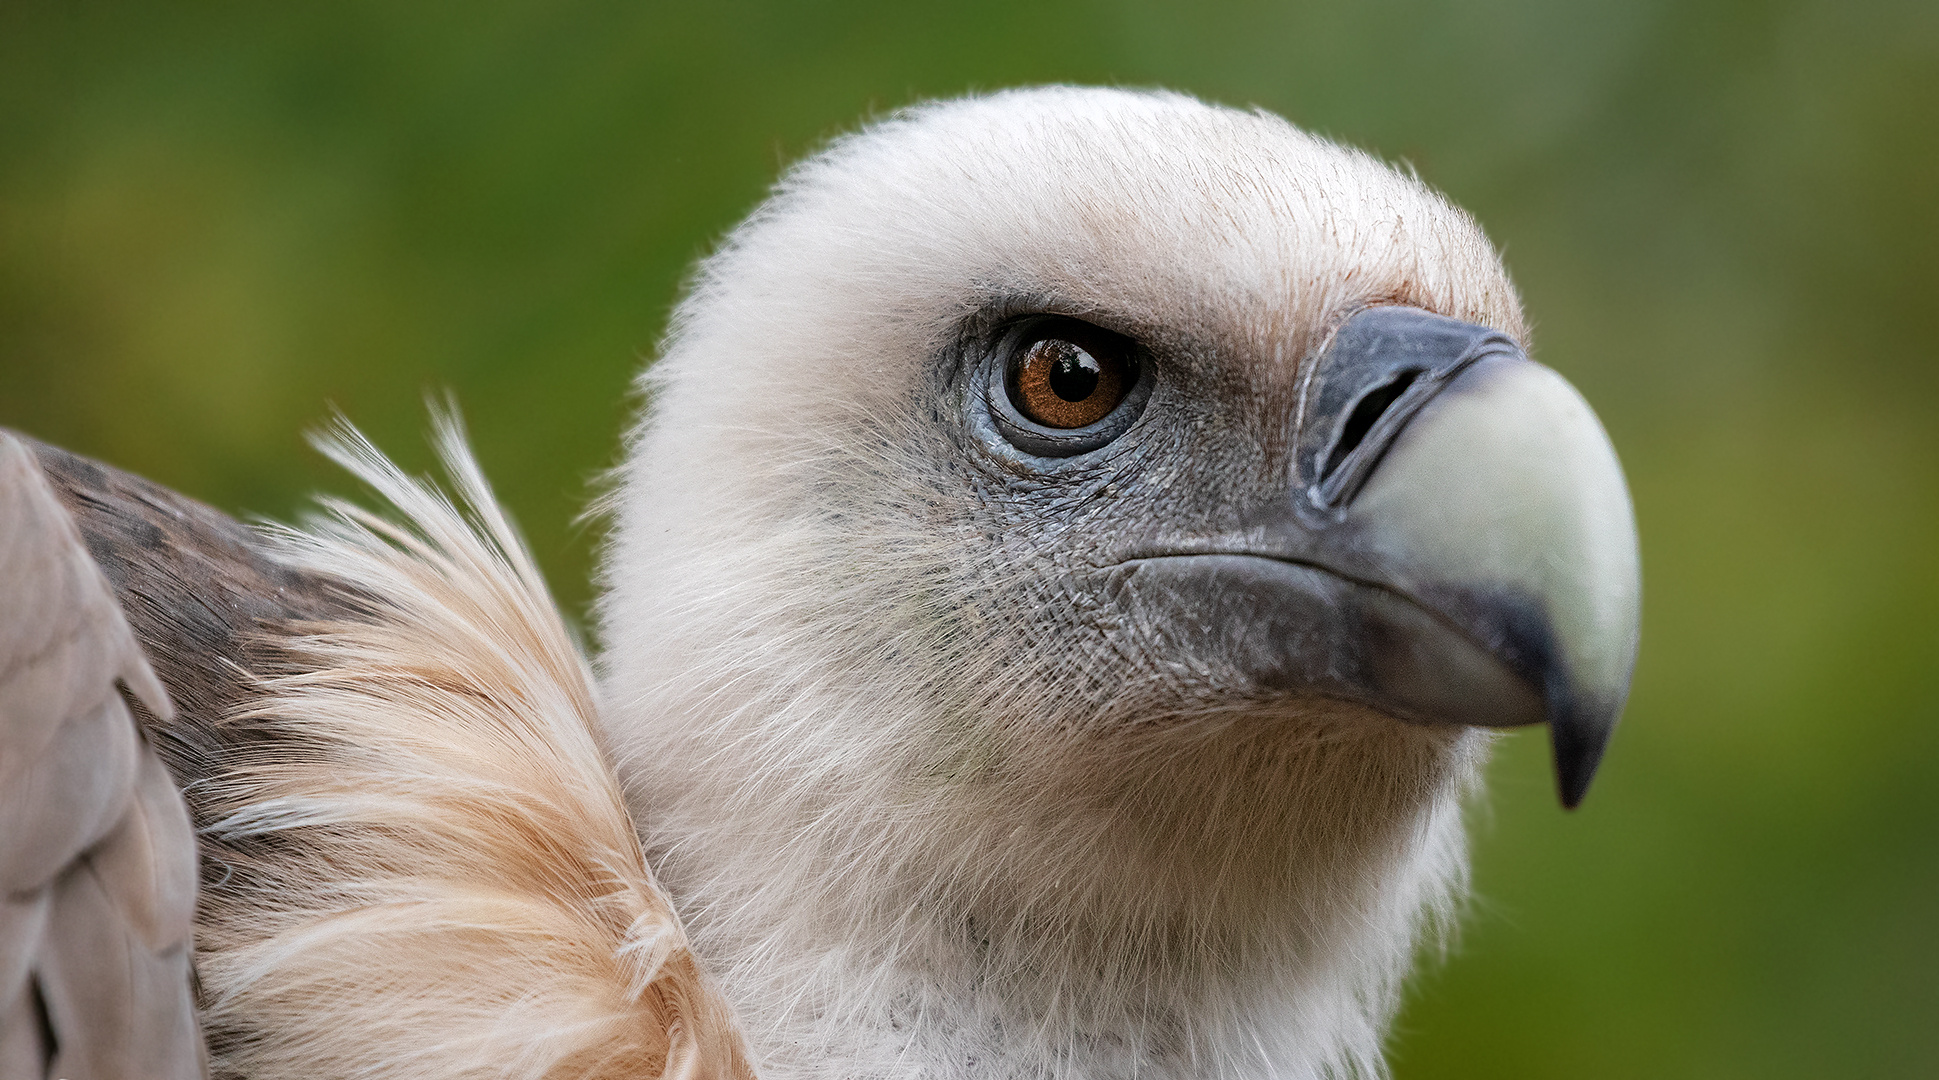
(97, 859)
(415, 858)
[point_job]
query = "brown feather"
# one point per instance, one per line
(119, 1008)
(97, 861)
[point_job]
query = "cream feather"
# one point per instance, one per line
(453, 887)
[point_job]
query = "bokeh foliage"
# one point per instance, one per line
(218, 218)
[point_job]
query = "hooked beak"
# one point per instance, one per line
(1458, 546)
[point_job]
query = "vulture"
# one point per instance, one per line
(1075, 552)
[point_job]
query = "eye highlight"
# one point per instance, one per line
(1069, 375)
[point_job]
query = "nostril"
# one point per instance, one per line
(1366, 412)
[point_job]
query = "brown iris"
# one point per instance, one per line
(1061, 384)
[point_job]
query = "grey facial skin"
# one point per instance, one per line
(1455, 545)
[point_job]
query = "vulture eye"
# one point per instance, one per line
(1056, 387)
(1067, 374)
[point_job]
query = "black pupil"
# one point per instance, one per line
(1074, 374)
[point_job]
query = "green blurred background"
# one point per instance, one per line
(218, 219)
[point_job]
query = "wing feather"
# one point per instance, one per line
(416, 858)
(97, 856)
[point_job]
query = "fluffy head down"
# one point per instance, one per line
(931, 803)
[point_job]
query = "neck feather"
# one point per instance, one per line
(885, 895)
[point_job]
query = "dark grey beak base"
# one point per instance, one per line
(1300, 629)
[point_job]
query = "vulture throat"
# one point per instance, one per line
(1073, 553)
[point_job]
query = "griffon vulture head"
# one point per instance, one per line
(1075, 545)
